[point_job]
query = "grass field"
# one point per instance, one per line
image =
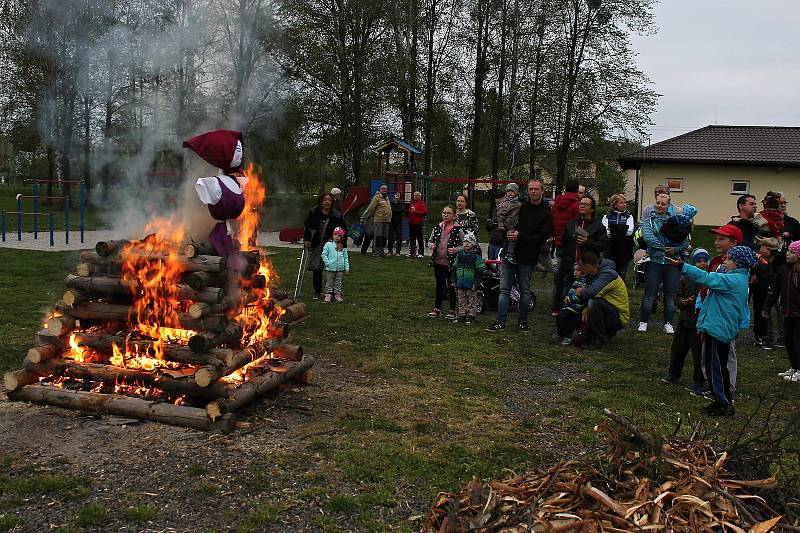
(450, 402)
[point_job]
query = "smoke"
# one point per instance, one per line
(153, 75)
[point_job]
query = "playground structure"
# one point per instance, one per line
(404, 180)
(66, 199)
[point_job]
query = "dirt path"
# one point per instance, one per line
(196, 481)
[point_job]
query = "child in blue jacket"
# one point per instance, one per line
(337, 264)
(720, 319)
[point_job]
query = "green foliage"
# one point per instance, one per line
(262, 516)
(91, 514)
(140, 513)
(609, 180)
(9, 523)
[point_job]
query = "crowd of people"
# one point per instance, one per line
(756, 263)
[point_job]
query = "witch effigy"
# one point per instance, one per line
(223, 194)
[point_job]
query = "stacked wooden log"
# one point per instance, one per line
(92, 356)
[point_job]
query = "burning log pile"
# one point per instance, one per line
(156, 330)
(640, 485)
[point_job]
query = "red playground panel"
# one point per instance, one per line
(291, 234)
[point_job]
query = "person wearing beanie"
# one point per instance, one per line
(687, 300)
(337, 264)
(787, 288)
(508, 215)
(223, 194)
(466, 278)
(721, 317)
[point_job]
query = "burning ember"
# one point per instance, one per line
(161, 319)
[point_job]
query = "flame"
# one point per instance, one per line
(152, 267)
(250, 220)
(78, 353)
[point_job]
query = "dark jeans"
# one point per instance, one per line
(509, 272)
(762, 327)
(562, 279)
(657, 274)
(395, 236)
(791, 337)
(367, 241)
(715, 359)
(317, 277)
(493, 252)
(443, 287)
(685, 339)
(604, 321)
(622, 269)
(416, 241)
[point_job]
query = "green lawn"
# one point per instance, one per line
(451, 401)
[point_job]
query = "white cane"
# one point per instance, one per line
(302, 272)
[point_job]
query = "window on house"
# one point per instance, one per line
(675, 184)
(740, 187)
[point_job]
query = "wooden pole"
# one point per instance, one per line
(207, 375)
(167, 413)
(112, 375)
(249, 391)
(176, 353)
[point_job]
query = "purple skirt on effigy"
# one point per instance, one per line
(229, 207)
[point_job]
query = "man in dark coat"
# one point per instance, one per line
(532, 230)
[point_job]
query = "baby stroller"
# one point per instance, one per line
(489, 292)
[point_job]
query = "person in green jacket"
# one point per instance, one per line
(466, 278)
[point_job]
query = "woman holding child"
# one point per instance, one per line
(660, 270)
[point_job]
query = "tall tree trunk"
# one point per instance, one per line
(499, 113)
(430, 86)
(87, 134)
(481, 68)
(534, 106)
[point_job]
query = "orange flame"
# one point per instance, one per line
(249, 221)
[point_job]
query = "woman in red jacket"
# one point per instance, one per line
(417, 212)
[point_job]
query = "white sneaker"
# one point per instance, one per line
(786, 373)
(642, 327)
(668, 329)
(794, 378)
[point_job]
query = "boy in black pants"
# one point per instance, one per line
(686, 337)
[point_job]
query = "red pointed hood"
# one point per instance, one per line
(216, 147)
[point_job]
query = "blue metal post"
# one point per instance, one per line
(83, 208)
(4, 225)
(35, 209)
(52, 225)
(66, 220)
(19, 217)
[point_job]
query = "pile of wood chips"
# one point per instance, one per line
(685, 487)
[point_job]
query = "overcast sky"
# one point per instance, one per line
(723, 61)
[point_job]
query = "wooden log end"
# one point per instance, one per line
(214, 411)
(84, 269)
(18, 378)
(204, 377)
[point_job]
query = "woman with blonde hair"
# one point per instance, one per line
(619, 224)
